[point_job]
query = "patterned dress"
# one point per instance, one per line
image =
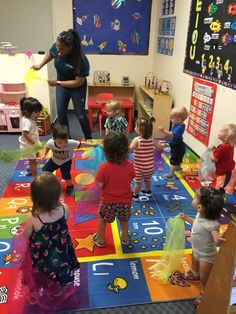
(52, 251)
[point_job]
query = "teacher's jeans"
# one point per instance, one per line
(78, 96)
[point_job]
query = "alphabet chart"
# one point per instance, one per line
(201, 110)
(211, 42)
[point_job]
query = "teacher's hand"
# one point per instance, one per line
(36, 67)
(52, 82)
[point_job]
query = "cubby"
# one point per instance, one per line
(157, 106)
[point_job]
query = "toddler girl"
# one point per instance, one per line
(115, 121)
(31, 109)
(143, 148)
(223, 157)
(114, 177)
(205, 234)
(52, 257)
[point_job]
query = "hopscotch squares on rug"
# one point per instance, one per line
(117, 274)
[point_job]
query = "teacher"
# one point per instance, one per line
(72, 67)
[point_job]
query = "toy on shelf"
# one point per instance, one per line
(151, 80)
(101, 77)
(44, 122)
(8, 48)
(163, 87)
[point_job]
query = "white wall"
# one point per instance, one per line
(171, 68)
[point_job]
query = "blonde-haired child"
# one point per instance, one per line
(143, 148)
(115, 120)
(177, 146)
(223, 157)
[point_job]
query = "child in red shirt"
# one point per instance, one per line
(223, 157)
(114, 178)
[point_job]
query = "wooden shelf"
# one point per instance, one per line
(118, 90)
(217, 293)
(156, 106)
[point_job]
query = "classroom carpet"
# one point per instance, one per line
(117, 274)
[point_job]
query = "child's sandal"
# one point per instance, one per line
(197, 301)
(96, 240)
(123, 241)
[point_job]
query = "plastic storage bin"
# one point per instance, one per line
(12, 92)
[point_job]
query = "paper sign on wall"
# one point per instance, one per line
(201, 110)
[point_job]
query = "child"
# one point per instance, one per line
(205, 234)
(31, 109)
(223, 156)
(115, 121)
(62, 153)
(143, 148)
(114, 177)
(52, 257)
(177, 146)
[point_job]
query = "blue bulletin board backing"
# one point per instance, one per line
(113, 26)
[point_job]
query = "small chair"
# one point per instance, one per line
(102, 99)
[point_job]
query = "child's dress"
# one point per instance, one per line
(52, 252)
(49, 266)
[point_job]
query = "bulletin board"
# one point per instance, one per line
(113, 26)
(201, 110)
(211, 41)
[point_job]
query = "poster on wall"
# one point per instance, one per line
(166, 33)
(211, 41)
(201, 110)
(168, 7)
(113, 27)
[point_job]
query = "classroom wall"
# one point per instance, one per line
(27, 24)
(171, 68)
(134, 66)
(36, 24)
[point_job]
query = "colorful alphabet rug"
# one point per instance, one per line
(116, 274)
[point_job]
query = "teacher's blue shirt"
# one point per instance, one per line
(65, 70)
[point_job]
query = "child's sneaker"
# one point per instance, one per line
(136, 198)
(189, 276)
(169, 176)
(96, 240)
(123, 241)
(147, 193)
(70, 190)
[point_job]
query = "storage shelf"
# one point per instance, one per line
(152, 105)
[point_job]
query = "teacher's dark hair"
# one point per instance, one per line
(72, 39)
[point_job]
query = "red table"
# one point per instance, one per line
(124, 104)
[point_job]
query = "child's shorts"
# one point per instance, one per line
(177, 152)
(143, 176)
(109, 211)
